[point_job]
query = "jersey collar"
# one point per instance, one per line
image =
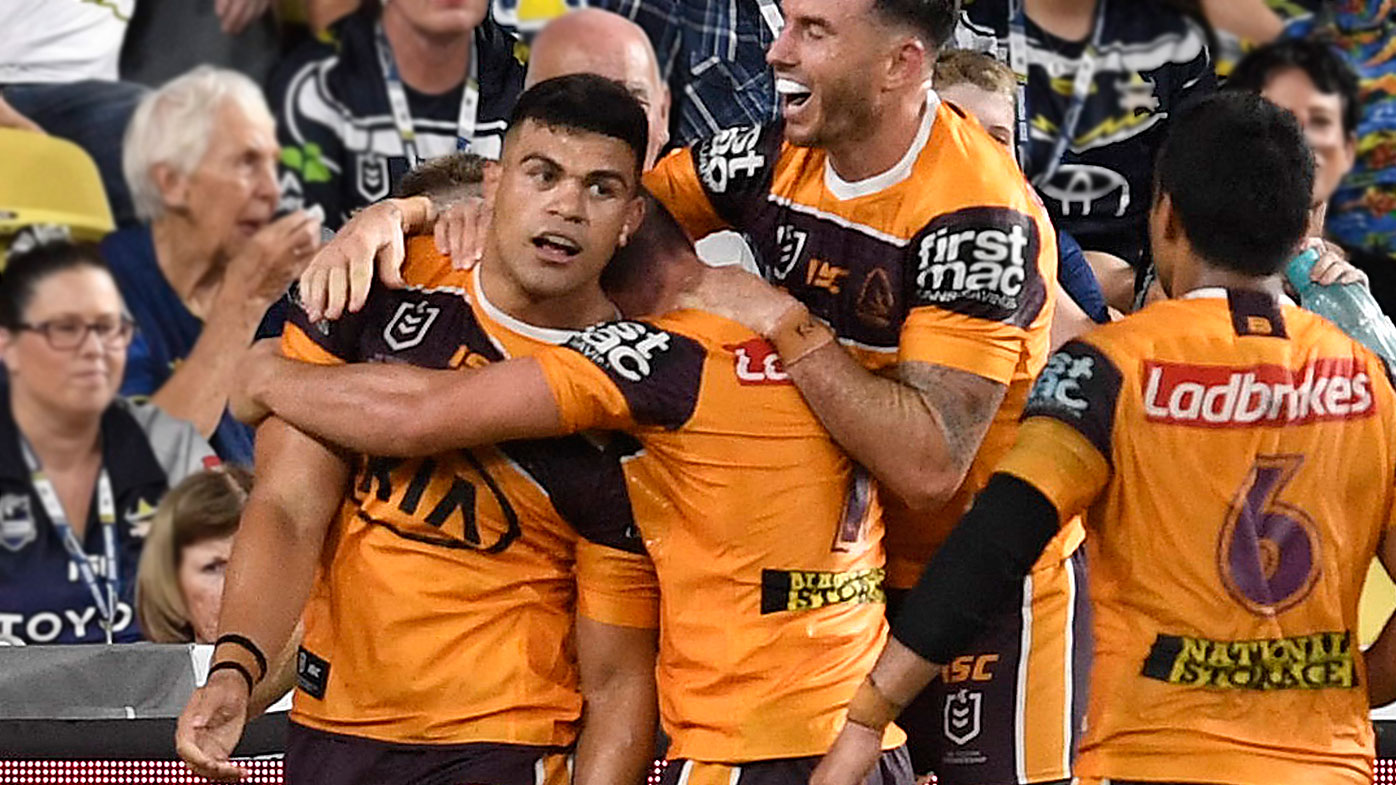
(843, 189)
(1219, 293)
(550, 335)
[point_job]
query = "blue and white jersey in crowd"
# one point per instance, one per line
(43, 597)
(1150, 61)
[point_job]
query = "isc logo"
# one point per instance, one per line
(970, 668)
(756, 363)
(626, 348)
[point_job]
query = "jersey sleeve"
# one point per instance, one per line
(978, 286)
(1064, 445)
(616, 587)
(717, 183)
(623, 375)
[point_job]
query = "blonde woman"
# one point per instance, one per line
(179, 587)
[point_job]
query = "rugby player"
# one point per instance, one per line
(466, 611)
(895, 221)
(1210, 443)
(765, 536)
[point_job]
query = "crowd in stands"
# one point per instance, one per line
(170, 169)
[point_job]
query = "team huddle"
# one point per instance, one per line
(520, 512)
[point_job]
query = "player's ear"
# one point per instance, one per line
(634, 216)
(490, 184)
(910, 63)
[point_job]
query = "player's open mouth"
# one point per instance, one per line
(556, 245)
(794, 93)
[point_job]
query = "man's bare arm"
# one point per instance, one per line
(396, 410)
(917, 435)
(616, 745)
(299, 487)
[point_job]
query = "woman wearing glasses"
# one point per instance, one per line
(81, 471)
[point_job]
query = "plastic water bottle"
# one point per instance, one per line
(1348, 305)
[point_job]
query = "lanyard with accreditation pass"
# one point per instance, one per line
(466, 120)
(106, 513)
(1019, 57)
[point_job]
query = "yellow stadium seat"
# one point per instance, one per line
(47, 180)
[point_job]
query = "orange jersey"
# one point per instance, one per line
(444, 608)
(767, 539)
(1234, 460)
(948, 258)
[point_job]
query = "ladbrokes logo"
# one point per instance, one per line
(756, 363)
(624, 348)
(1228, 397)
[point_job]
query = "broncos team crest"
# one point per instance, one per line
(410, 325)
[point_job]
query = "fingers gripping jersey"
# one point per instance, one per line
(1235, 462)
(444, 607)
(766, 538)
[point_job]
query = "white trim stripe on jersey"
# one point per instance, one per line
(1068, 681)
(837, 220)
(1020, 714)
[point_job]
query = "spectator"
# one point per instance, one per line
(46, 180)
(81, 471)
(985, 88)
(179, 585)
(403, 82)
(565, 47)
(715, 57)
(1145, 60)
(201, 276)
(1313, 82)
(58, 73)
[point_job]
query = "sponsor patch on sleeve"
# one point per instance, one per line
(1080, 387)
(981, 262)
(658, 372)
(735, 167)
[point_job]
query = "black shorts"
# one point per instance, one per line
(893, 768)
(315, 757)
(1010, 709)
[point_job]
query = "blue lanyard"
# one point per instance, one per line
(1019, 57)
(106, 601)
(466, 120)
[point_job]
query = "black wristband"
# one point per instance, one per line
(245, 643)
(229, 665)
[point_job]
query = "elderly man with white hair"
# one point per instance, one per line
(201, 274)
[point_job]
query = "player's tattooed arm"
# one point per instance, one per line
(917, 434)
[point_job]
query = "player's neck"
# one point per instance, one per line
(885, 145)
(575, 310)
(61, 440)
(1205, 276)
(1069, 20)
(184, 256)
(428, 63)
